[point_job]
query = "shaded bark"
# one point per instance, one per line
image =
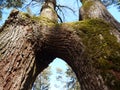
(28, 44)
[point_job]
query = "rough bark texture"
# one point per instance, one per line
(108, 64)
(28, 44)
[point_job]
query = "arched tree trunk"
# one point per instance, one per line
(28, 44)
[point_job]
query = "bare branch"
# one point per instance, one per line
(62, 6)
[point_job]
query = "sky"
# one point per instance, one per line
(58, 85)
(112, 9)
(70, 17)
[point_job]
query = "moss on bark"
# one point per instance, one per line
(102, 48)
(72, 41)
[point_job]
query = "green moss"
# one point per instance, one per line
(39, 18)
(86, 6)
(102, 47)
(103, 64)
(111, 80)
(43, 20)
(96, 35)
(36, 19)
(24, 15)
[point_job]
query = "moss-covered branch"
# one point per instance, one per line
(95, 9)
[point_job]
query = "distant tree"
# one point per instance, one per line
(72, 82)
(68, 78)
(9, 4)
(42, 81)
(20, 3)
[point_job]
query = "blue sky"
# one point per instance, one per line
(70, 17)
(112, 9)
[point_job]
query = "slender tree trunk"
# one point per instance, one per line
(28, 44)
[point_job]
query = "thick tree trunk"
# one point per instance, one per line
(28, 44)
(17, 56)
(94, 9)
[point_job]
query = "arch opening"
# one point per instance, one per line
(57, 76)
(68, 46)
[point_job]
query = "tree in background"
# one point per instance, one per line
(9, 4)
(72, 83)
(42, 81)
(27, 3)
(67, 79)
(62, 80)
(91, 46)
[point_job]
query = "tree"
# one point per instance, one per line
(26, 3)
(42, 80)
(65, 80)
(90, 46)
(72, 83)
(9, 4)
(58, 79)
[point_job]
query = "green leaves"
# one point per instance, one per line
(14, 3)
(10, 4)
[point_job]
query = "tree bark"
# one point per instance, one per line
(95, 9)
(28, 44)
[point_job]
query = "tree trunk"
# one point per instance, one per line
(28, 44)
(95, 9)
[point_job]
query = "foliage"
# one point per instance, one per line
(62, 79)
(9, 4)
(69, 78)
(73, 83)
(42, 81)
